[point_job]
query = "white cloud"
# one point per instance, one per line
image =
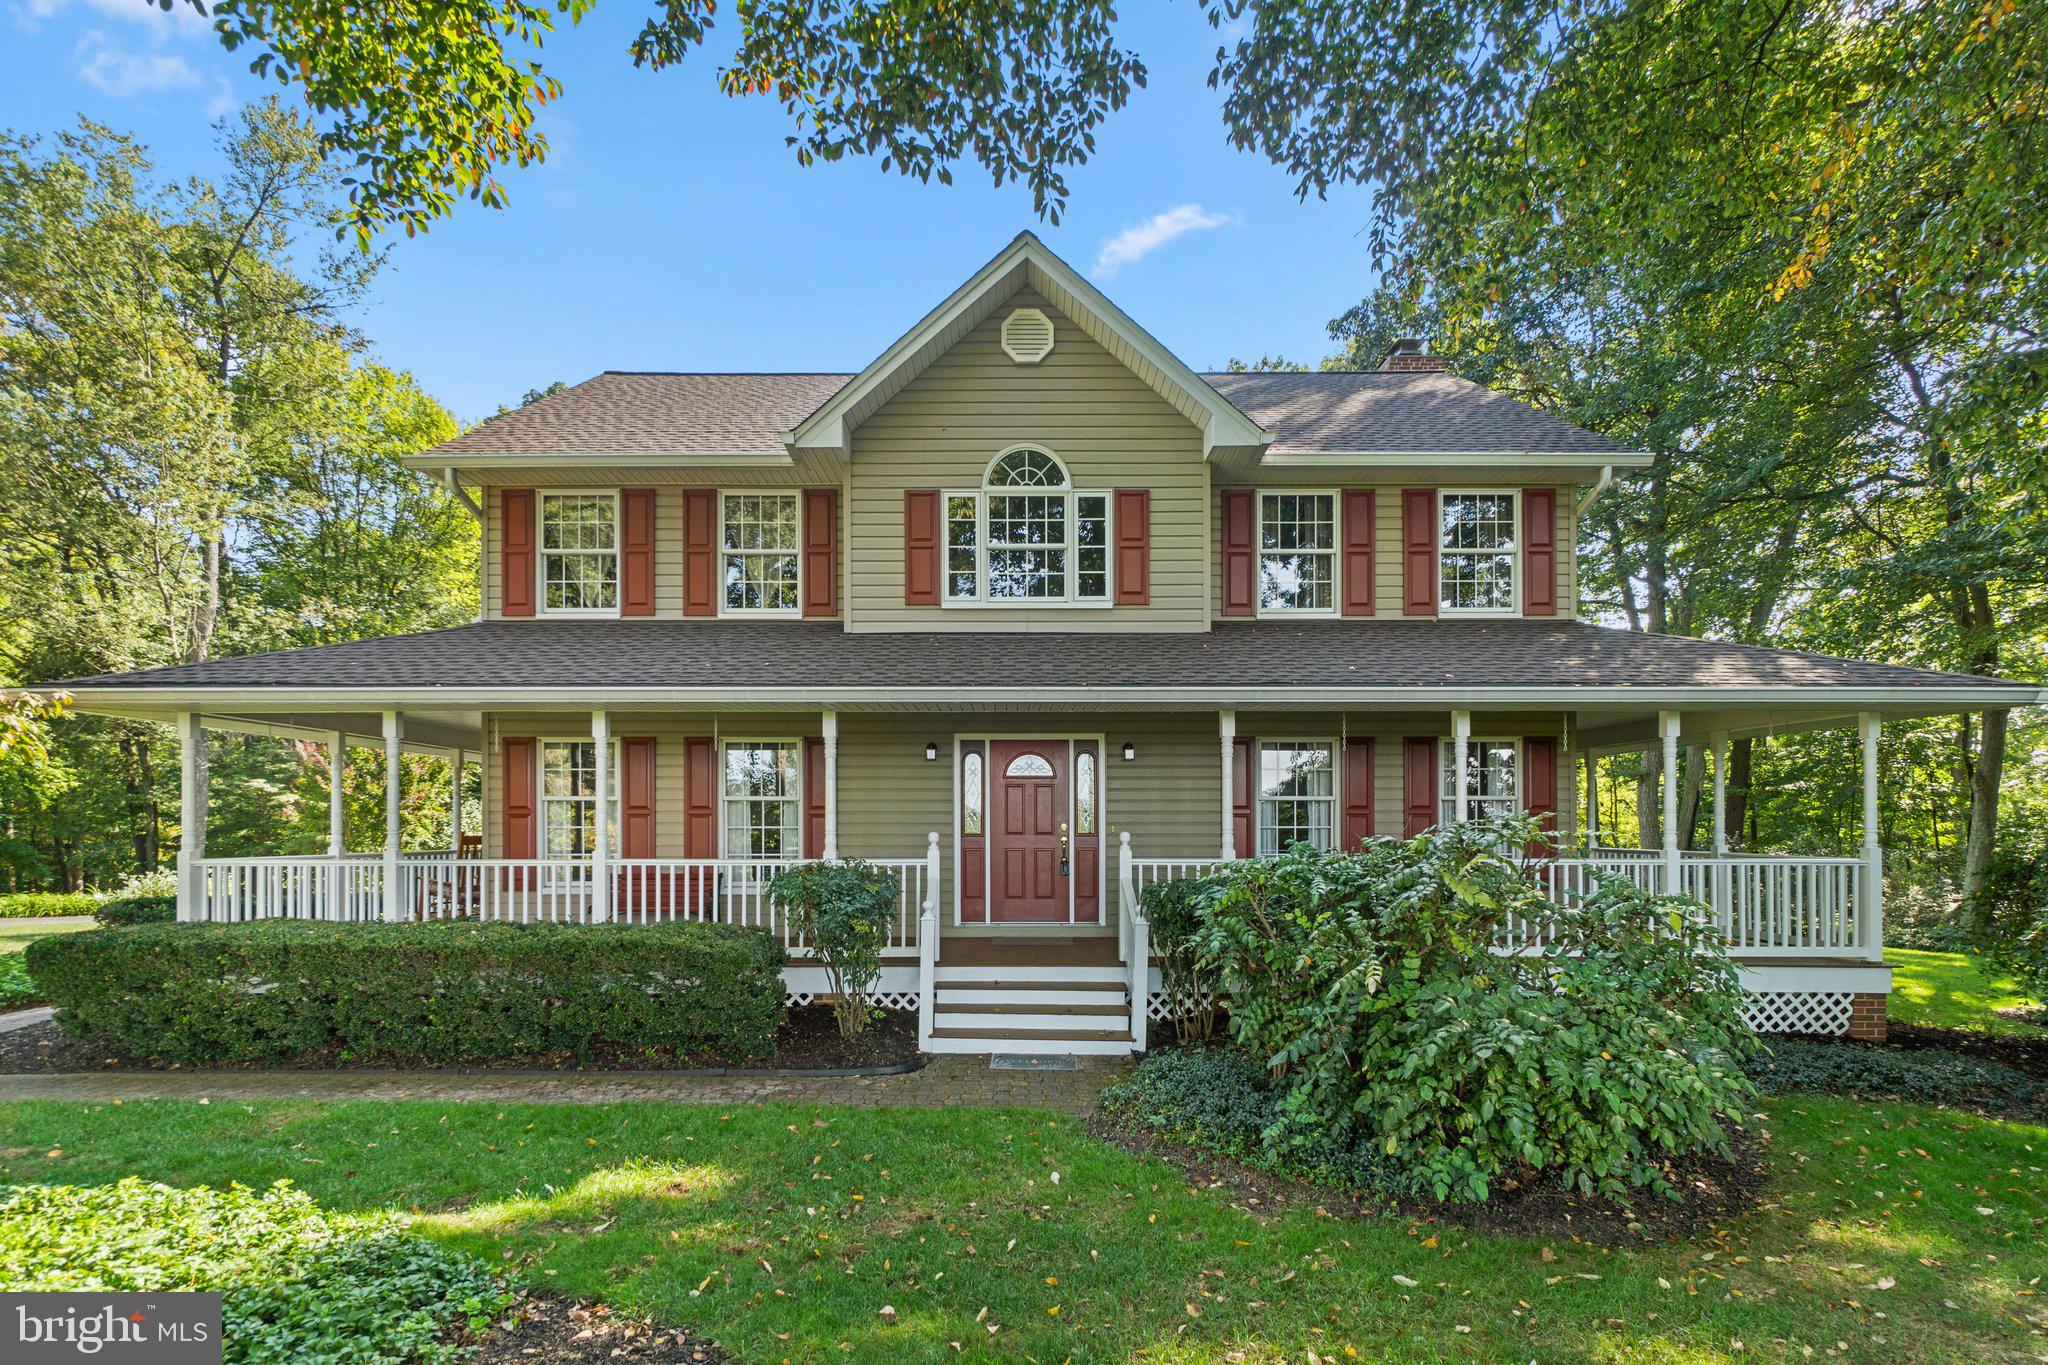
(1140, 240)
(124, 74)
(181, 17)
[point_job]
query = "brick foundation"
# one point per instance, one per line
(1866, 1018)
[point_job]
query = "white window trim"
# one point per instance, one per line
(541, 552)
(795, 494)
(796, 854)
(543, 801)
(1514, 607)
(1447, 799)
(1259, 798)
(981, 601)
(1336, 553)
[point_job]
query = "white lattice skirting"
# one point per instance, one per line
(1767, 1011)
(888, 1000)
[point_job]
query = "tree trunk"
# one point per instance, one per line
(1985, 775)
(1649, 808)
(1689, 796)
(1740, 813)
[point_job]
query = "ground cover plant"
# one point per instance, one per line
(1370, 985)
(427, 993)
(47, 904)
(298, 1285)
(1786, 1065)
(1893, 1232)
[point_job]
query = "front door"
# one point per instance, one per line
(1029, 856)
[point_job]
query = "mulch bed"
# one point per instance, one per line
(547, 1329)
(2021, 1054)
(1715, 1192)
(809, 1041)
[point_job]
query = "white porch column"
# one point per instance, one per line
(1226, 729)
(1667, 730)
(829, 721)
(1461, 751)
(191, 816)
(455, 804)
(337, 802)
(1870, 923)
(394, 751)
(1718, 743)
(601, 856)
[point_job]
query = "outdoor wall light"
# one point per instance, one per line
(1130, 751)
(931, 753)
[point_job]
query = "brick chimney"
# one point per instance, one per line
(1407, 354)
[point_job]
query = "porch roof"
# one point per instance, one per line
(1395, 664)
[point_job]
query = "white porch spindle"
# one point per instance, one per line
(337, 802)
(1870, 920)
(394, 748)
(601, 856)
(191, 817)
(1461, 750)
(1667, 730)
(1226, 729)
(829, 722)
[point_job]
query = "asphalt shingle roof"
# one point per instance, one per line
(727, 654)
(1323, 411)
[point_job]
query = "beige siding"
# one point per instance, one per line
(1387, 591)
(1108, 427)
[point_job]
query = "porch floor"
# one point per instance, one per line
(1027, 951)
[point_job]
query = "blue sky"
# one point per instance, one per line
(672, 229)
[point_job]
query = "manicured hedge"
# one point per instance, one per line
(429, 993)
(47, 904)
(138, 910)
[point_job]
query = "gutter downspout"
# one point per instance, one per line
(1593, 493)
(454, 486)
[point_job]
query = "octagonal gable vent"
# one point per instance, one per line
(1027, 336)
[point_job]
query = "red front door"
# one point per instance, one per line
(1028, 850)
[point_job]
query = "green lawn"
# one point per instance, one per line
(16, 934)
(1953, 990)
(1895, 1233)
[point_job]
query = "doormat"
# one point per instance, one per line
(1018, 1061)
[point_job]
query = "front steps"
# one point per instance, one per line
(1047, 1010)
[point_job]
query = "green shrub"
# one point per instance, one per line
(439, 992)
(1171, 911)
(1930, 1077)
(138, 910)
(1223, 1100)
(17, 987)
(47, 904)
(1370, 984)
(844, 911)
(297, 1284)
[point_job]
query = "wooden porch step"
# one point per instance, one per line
(1035, 1035)
(1012, 985)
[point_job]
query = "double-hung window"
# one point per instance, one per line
(759, 547)
(763, 800)
(1492, 779)
(1026, 537)
(1297, 794)
(1297, 553)
(1476, 560)
(579, 552)
(568, 798)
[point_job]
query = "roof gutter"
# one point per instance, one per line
(462, 496)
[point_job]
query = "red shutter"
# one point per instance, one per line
(1418, 783)
(821, 551)
(636, 552)
(1243, 831)
(1240, 561)
(1418, 552)
(516, 758)
(515, 561)
(700, 805)
(1358, 821)
(1539, 782)
(636, 798)
(1358, 528)
(814, 797)
(700, 560)
(1133, 546)
(1539, 560)
(921, 548)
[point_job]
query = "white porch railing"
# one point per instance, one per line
(1765, 906)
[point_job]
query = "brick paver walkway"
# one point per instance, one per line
(947, 1080)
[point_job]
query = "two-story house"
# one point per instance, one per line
(1035, 614)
